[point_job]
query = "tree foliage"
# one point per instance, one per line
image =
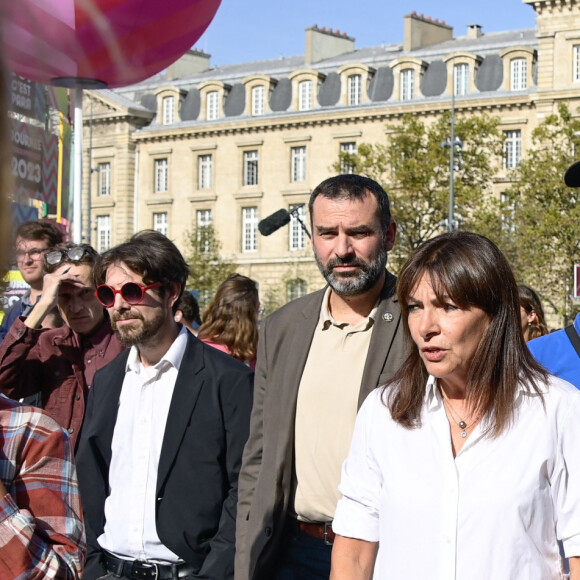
(414, 167)
(543, 240)
(208, 268)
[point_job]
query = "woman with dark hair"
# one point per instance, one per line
(532, 314)
(465, 465)
(230, 322)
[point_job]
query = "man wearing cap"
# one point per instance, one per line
(61, 362)
(319, 357)
(559, 351)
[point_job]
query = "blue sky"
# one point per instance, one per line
(248, 30)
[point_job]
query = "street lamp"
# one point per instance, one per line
(451, 223)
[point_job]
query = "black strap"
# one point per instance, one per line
(574, 338)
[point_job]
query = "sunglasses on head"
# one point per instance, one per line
(131, 292)
(74, 254)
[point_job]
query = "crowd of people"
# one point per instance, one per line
(414, 427)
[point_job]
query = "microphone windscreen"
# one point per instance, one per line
(274, 222)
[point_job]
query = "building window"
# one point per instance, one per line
(249, 229)
(576, 63)
(507, 214)
(204, 171)
(354, 89)
(305, 96)
(461, 79)
(519, 74)
(258, 94)
(298, 162)
(347, 149)
(250, 168)
(168, 110)
(512, 149)
(295, 289)
(297, 239)
(161, 175)
(161, 223)
(212, 109)
(407, 84)
(103, 233)
(104, 171)
(203, 220)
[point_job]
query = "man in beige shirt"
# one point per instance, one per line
(318, 359)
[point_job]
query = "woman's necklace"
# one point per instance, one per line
(456, 418)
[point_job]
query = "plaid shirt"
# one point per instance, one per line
(41, 529)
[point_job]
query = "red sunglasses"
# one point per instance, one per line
(131, 292)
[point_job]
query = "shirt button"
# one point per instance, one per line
(71, 430)
(89, 361)
(77, 397)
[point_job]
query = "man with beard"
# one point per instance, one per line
(165, 427)
(318, 358)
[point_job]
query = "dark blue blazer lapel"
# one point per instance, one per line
(190, 379)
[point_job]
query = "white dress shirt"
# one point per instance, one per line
(130, 530)
(495, 511)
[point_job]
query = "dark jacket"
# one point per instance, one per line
(201, 454)
(267, 472)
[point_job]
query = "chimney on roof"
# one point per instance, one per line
(422, 31)
(191, 63)
(322, 43)
(474, 31)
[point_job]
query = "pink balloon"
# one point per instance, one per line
(98, 43)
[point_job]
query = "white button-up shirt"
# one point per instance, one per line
(130, 531)
(494, 511)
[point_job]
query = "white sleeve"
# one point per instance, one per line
(565, 481)
(357, 512)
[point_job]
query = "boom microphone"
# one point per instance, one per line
(274, 222)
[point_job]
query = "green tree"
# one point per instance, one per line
(414, 166)
(208, 268)
(542, 237)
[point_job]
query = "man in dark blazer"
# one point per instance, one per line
(166, 423)
(318, 358)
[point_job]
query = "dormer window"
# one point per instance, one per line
(407, 84)
(354, 90)
(258, 100)
(168, 110)
(519, 74)
(461, 79)
(305, 95)
(212, 106)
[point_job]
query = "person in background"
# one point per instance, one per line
(318, 358)
(61, 362)
(166, 424)
(187, 312)
(532, 314)
(41, 528)
(559, 351)
(31, 242)
(230, 322)
(465, 465)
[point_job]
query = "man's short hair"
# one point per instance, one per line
(90, 256)
(353, 187)
(35, 231)
(151, 255)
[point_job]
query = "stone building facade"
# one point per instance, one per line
(230, 145)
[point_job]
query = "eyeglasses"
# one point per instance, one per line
(33, 254)
(74, 254)
(131, 292)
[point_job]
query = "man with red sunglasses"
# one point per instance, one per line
(60, 364)
(166, 424)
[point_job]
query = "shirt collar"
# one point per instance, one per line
(326, 319)
(172, 357)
